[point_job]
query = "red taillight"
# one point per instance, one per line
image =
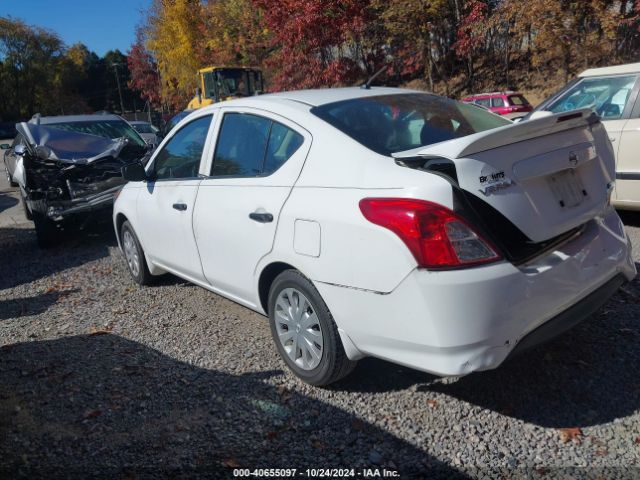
(436, 236)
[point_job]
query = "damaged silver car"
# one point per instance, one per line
(68, 168)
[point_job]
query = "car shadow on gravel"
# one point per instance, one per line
(28, 306)
(7, 201)
(585, 377)
(103, 405)
(630, 218)
(21, 261)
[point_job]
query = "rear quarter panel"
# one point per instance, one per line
(339, 173)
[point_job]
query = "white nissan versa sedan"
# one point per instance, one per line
(383, 222)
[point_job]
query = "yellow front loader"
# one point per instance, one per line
(216, 84)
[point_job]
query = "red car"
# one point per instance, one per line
(507, 104)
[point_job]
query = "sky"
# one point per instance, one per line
(102, 25)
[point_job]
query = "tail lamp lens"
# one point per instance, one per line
(436, 236)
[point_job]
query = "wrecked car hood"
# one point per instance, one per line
(51, 143)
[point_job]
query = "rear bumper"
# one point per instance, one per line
(457, 322)
(570, 317)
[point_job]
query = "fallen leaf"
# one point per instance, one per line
(568, 434)
(318, 445)
(432, 403)
(92, 414)
(601, 453)
(272, 435)
(100, 331)
(637, 440)
(231, 462)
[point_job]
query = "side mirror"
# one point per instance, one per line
(134, 172)
(4, 146)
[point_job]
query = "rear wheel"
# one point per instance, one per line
(304, 331)
(25, 207)
(134, 255)
(47, 233)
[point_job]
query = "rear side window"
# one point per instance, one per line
(394, 123)
(518, 100)
(497, 102)
(250, 145)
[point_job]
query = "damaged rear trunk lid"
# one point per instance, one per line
(546, 176)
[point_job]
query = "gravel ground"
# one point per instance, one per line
(101, 378)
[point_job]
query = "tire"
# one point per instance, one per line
(9, 177)
(134, 255)
(25, 207)
(47, 233)
(295, 303)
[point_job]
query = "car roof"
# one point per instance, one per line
(487, 94)
(323, 96)
(73, 118)
(612, 70)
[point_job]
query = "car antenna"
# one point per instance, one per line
(367, 84)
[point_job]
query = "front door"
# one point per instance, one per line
(166, 205)
(257, 159)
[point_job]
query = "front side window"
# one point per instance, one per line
(250, 145)
(180, 156)
(394, 123)
(607, 96)
(497, 102)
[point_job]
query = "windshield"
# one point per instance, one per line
(103, 128)
(607, 96)
(232, 82)
(142, 127)
(398, 122)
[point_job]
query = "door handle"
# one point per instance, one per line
(180, 206)
(261, 217)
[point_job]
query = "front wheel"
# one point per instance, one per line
(47, 233)
(9, 177)
(304, 331)
(134, 255)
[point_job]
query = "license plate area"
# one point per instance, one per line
(567, 188)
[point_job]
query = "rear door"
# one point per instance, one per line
(166, 204)
(257, 159)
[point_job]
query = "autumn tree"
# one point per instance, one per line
(174, 31)
(315, 42)
(233, 32)
(145, 77)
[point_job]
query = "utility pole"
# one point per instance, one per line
(115, 71)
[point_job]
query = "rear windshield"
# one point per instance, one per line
(104, 128)
(393, 123)
(518, 100)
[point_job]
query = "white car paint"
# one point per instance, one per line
(446, 322)
(624, 133)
